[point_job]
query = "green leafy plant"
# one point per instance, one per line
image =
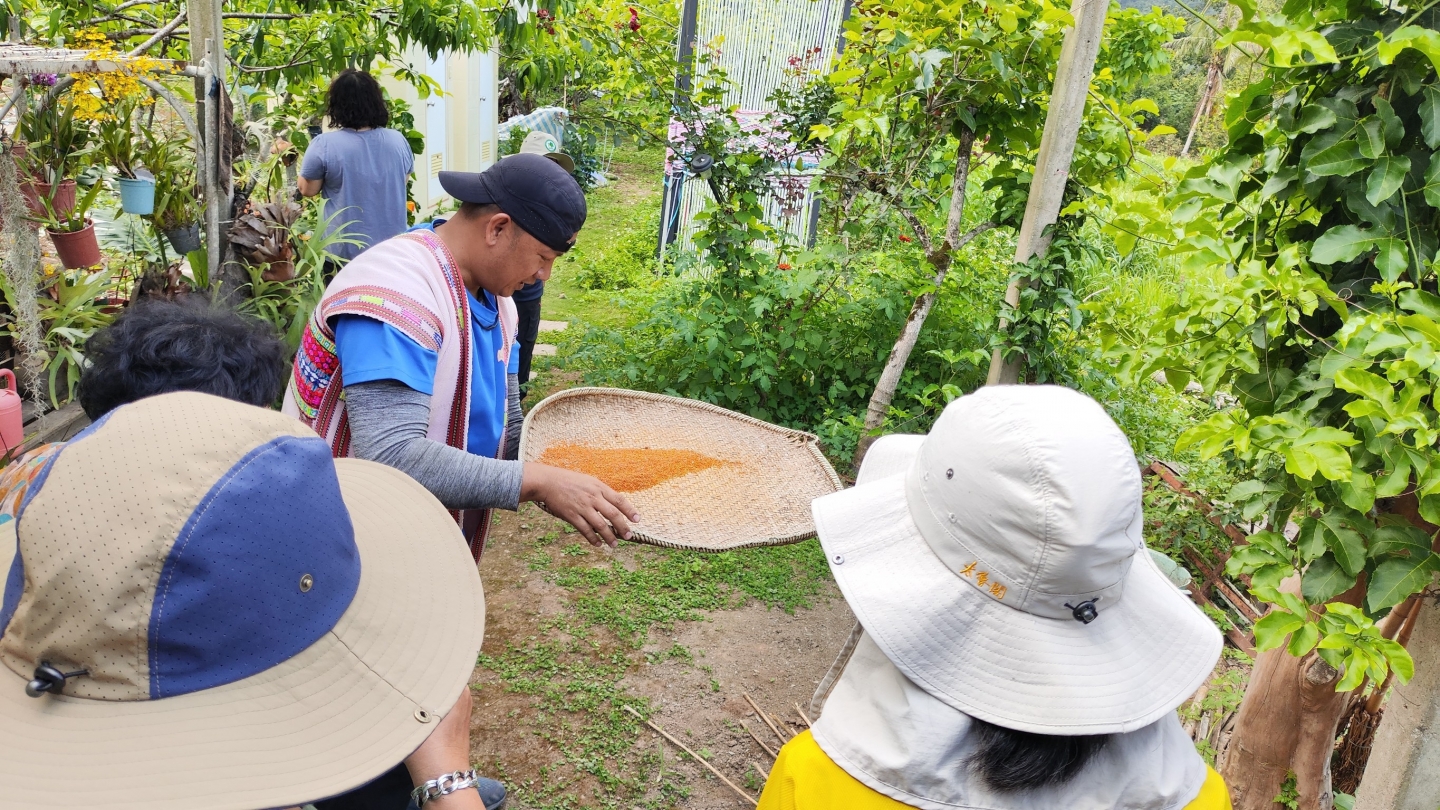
(114, 143)
(56, 142)
(1321, 211)
(288, 303)
(1289, 796)
(75, 310)
(177, 194)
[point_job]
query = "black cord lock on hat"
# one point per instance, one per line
(48, 678)
(1084, 612)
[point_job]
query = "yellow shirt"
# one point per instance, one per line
(805, 779)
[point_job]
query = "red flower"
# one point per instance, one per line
(904, 238)
(783, 265)
(634, 18)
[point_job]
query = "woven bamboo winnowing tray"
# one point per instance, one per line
(762, 498)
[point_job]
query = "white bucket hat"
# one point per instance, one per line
(999, 572)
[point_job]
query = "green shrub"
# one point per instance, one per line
(804, 346)
(629, 262)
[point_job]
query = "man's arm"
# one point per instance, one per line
(308, 187)
(388, 423)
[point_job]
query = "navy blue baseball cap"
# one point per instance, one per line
(534, 190)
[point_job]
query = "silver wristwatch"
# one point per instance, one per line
(444, 785)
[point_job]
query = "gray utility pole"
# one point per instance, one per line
(1057, 146)
(207, 46)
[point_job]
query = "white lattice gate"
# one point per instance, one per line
(756, 41)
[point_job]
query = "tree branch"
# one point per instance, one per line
(114, 13)
(963, 152)
(159, 35)
(921, 234)
(972, 233)
(272, 68)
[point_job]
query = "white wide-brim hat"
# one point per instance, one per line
(998, 658)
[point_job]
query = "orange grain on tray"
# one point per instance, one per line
(628, 469)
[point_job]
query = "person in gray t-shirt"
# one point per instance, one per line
(360, 167)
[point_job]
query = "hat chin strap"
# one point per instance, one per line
(48, 678)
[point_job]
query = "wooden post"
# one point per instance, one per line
(1057, 147)
(207, 44)
(675, 184)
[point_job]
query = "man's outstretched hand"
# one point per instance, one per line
(584, 501)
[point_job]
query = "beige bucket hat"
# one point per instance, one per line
(999, 568)
(543, 143)
(236, 620)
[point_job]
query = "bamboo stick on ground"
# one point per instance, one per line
(764, 774)
(765, 718)
(758, 741)
(801, 712)
(658, 730)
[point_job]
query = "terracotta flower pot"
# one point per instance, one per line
(61, 198)
(78, 248)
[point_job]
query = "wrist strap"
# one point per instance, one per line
(444, 785)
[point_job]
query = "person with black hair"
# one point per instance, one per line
(158, 346)
(360, 168)
(1016, 645)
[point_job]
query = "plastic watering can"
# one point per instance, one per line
(12, 422)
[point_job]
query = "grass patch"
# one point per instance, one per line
(625, 210)
(574, 665)
(674, 586)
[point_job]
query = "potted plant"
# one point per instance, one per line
(115, 146)
(55, 146)
(177, 194)
(73, 232)
(262, 236)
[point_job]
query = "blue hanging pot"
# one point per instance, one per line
(137, 196)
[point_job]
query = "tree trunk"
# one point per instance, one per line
(1287, 723)
(940, 257)
(1208, 93)
(1052, 166)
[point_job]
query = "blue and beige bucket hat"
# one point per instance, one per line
(203, 609)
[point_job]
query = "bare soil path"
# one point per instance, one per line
(573, 634)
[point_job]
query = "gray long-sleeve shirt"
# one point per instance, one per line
(388, 423)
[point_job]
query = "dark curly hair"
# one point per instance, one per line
(158, 346)
(355, 101)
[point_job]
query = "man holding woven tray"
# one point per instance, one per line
(408, 358)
